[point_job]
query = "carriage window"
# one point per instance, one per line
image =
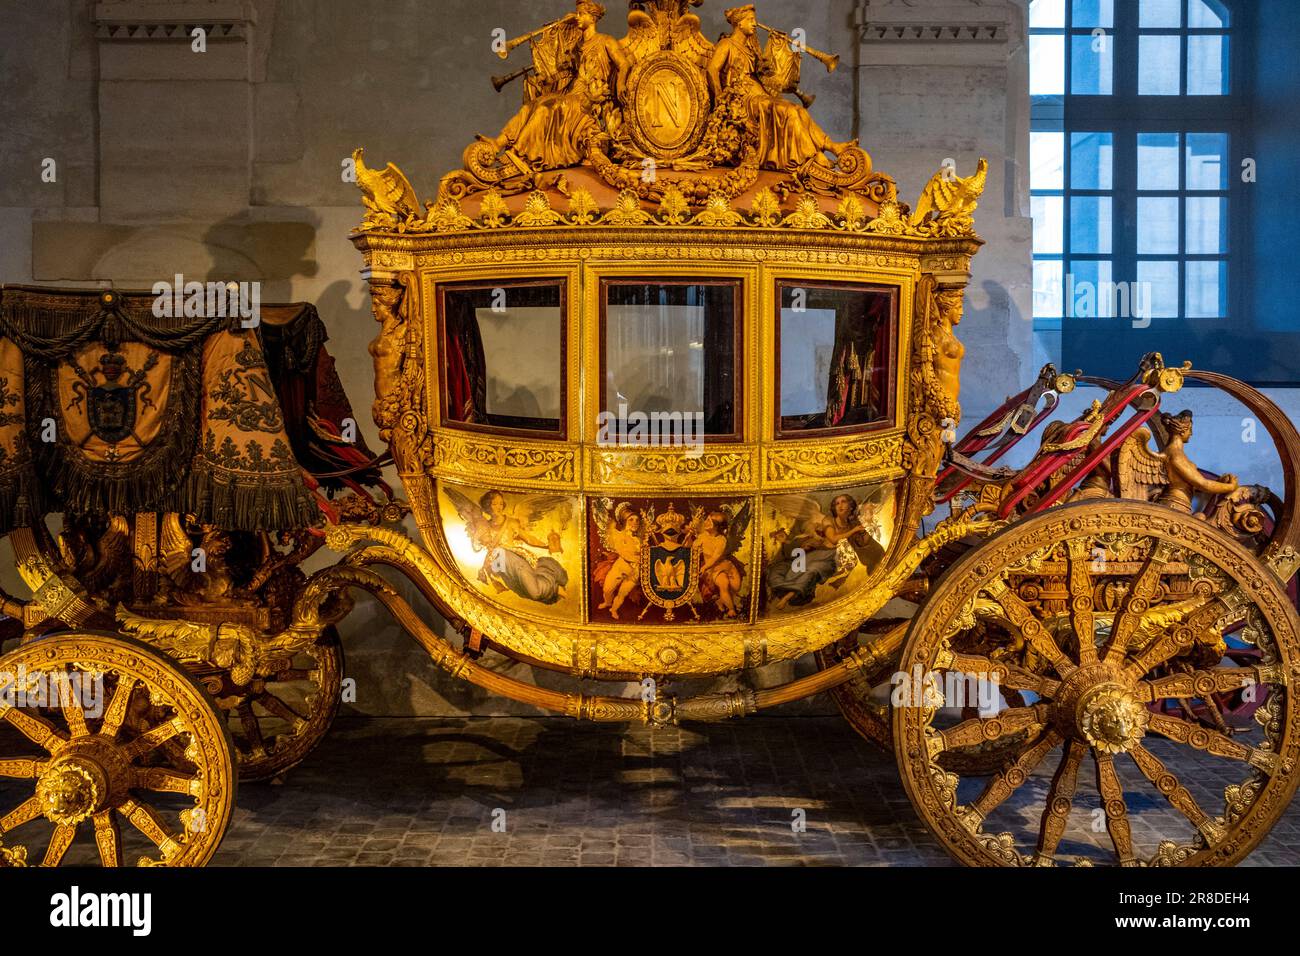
(670, 353)
(503, 357)
(835, 360)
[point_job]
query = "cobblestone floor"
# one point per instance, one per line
(426, 792)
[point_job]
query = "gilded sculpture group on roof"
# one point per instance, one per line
(666, 117)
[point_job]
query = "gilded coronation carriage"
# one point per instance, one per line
(671, 383)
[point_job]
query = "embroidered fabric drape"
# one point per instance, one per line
(105, 409)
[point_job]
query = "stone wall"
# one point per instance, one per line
(227, 164)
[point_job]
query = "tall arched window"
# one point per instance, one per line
(1139, 123)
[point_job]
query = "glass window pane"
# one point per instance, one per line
(1157, 228)
(670, 350)
(1159, 65)
(1207, 225)
(1091, 162)
(503, 357)
(1049, 223)
(1160, 13)
(1157, 160)
(1207, 160)
(1047, 288)
(1090, 228)
(1047, 65)
(1047, 13)
(1207, 65)
(1091, 65)
(1206, 14)
(1156, 295)
(1207, 290)
(835, 368)
(1094, 13)
(1046, 160)
(1090, 291)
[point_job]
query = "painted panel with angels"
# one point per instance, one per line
(679, 560)
(821, 546)
(522, 550)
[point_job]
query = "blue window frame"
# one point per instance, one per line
(1136, 141)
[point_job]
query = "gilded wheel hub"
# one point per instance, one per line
(71, 790)
(1110, 718)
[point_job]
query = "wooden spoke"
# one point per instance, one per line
(252, 729)
(73, 712)
(1178, 796)
(1216, 715)
(116, 710)
(293, 674)
(165, 781)
(1009, 676)
(1004, 784)
(22, 768)
(28, 810)
(1022, 619)
(1213, 742)
(1137, 602)
(978, 730)
(1081, 603)
(1216, 680)
(145, 819)
(36, 729)
(282, 710)
(59, 843)
(1112, 800)
(1060, 800)
(108, 838)
(152, 738)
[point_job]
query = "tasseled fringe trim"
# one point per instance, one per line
(22, 498)
(242, 502)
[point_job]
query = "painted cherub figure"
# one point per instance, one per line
(623, 539)
(718, 538)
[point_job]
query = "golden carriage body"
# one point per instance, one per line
(641, 535)
(671, 392)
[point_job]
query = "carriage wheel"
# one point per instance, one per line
(286, 713)
(86, 724)
(1081, 610)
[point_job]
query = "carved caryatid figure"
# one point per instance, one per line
(940, 310)
(553, 131)
(788, 137)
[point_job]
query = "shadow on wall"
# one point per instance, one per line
(984, 331)
(277, 253)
